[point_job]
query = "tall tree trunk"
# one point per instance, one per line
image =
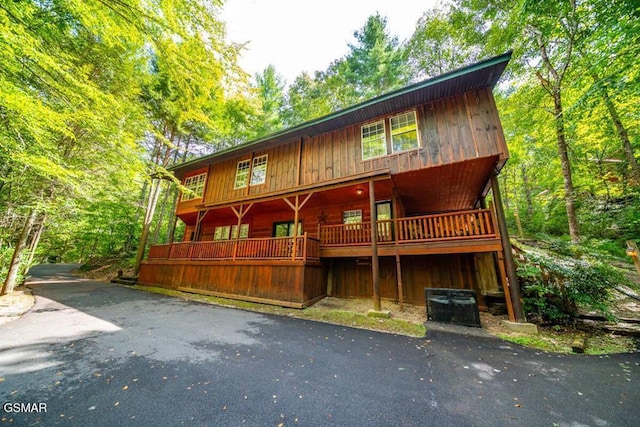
(526, 186)
(569, 191)
(14, 266)
(163, 209)
(621, 131)
(172, 216)
(154, 192)
(36, 240)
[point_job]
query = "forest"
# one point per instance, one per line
(99, 97)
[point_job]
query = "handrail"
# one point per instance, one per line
(469, 224)
(278, 248)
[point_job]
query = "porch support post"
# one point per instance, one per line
(396, 215)
(375, 266)
(399, 279)
(512, 278)
(239, 214)
(198, 231)
(296, 218)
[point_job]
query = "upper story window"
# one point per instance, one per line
(404, 132)
(374, 142)
(242, 174)
(404, 135)
(196, 185)
(258, 171)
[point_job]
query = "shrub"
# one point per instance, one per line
(554, 290)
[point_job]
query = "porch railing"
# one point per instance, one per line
(440, 227)
(278, 248)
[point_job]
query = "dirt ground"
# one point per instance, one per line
(15, 304)
(410, 313)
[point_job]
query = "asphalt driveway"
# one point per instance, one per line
(97, 354)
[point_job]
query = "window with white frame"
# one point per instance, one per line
(374, 141)
(352, 216)
(259, 170)
(404, 135)
(195, 184)
(242, 174)
(404, 132)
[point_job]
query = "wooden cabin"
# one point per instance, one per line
(383, 199)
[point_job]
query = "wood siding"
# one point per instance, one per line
(292, 284)
(352, 276)
(450, 130)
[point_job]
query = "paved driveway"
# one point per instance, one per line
(103, 355)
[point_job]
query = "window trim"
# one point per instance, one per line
(256, 165)
(384, 139)
(245, 181)
(388, 136)
(415, 121)
(200, 182)
(347, 214)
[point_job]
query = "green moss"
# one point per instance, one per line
(336, 317)
(561, 341)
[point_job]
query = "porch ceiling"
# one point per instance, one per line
(440, 189)
(445, 188)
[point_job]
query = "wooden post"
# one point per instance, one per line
(396, 215)
(296, 217)
(512, 277)
(375, 266)
(399, 279)
(239, 214)
(330, 278)
(632, 251)
(198, 231)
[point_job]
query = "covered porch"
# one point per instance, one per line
(436, 213)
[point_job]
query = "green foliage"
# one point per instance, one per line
(556, 290)
(375, 64)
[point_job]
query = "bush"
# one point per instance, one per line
(554, 291)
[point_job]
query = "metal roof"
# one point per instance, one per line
(479, 75)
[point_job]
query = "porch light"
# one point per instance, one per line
(359, 191)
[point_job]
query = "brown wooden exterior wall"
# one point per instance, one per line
(352, 276)
(287, 283)
(451, 130)
(261, 225)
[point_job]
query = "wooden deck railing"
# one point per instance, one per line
(449, 226)
(282, 248)
(472, 224)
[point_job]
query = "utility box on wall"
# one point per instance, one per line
(457, 306)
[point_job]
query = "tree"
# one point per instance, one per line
(270, 91)
(441, 42)
(70, 112)
(375, 64)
